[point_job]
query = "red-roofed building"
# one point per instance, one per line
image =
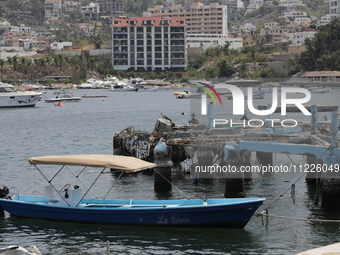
(149, 43)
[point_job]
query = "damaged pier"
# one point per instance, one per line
(200, 145)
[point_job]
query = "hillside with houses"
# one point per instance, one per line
(223, 39)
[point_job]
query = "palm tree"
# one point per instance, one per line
(59, 61)
(14, 63)
(2, 63)
(252, 53)
(311, 49)
(226, 48)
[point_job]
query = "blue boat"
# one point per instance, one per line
(70, 203)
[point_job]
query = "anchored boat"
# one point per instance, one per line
(9, 97)
(63, 96)
(71, 204)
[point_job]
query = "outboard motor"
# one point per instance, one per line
(3, 194)
(4, 191)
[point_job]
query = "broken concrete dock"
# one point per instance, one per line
(199, 144)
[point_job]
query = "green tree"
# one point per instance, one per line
(226, 48)
(2, 63)
(225, 69)
(322, 49)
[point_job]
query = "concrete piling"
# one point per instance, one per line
(234, 181)
(330, 188)
(265, 158)
(234, 185)
(162, 175)
(205, 158)
(210, 116)
(314, 119)
(312, 176)
(246, 157)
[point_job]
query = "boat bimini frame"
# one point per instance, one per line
(123, 164)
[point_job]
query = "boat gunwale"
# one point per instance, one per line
(143, 207)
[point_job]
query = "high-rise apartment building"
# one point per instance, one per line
(149, 43)
(110, 7)
(71, 7)
(234, 6)
(207, 25)
(200, 19)
(53, 9)
(334, 9)
(58, 9)
(92, 11)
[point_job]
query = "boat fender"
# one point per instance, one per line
(66, 194)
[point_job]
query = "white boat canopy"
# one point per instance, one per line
(122, 163)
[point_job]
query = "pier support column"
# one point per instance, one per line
(234, 182)
(312, 176)
(331, 179)
(162, 175)
(265, 158)
(210, 116)
(246, 156)
(205, 159)
(330, 188)
(335, 129)
(314, 119)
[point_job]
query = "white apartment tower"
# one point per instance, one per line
(149, 43)
(334, 9)
(58, 9)
(53, 9)
(200, 19)
(207, 25)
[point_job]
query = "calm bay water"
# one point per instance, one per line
(88, 127)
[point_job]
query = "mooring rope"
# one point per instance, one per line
(292, 187)
(266, 214)
(172, 184)
(292, 190)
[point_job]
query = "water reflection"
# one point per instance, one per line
(75, 238)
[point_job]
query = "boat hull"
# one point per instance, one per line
(124, 90)
(147, 89)
(20, 99)
(255, 96)
(57, 100)
(221, 213)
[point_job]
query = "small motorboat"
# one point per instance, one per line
(320, 90)
(123, 88)
(17, 250)
(63, 96)
(9, 97)
(69, 203)
(93, 96)
(88, 84)
(242, 82)
(148, 89)
(256, 95)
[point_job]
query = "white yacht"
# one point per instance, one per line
(88, 84)
(9, 97)
(63, 95)
(123, 88)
